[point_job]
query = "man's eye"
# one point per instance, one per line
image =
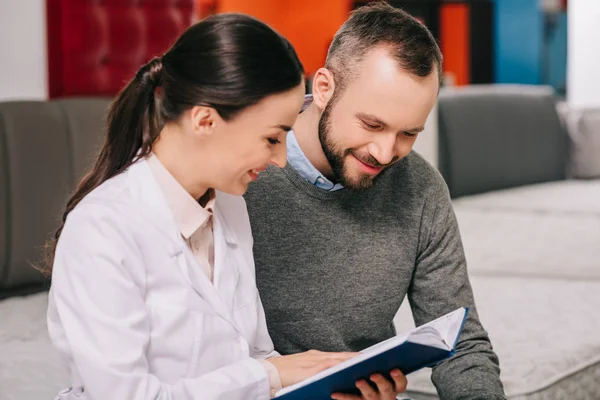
(410, 134)
(371, 126)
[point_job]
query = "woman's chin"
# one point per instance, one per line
(238, 189)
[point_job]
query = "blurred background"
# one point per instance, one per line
(515, 134)
(75, 47)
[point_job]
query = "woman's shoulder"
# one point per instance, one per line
(111, 201)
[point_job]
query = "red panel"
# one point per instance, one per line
(96, 46)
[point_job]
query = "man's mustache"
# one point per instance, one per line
(370, 160)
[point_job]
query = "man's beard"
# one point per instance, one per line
(336, 156)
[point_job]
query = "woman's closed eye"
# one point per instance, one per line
(273, 140)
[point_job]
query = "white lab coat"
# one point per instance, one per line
(134, 315)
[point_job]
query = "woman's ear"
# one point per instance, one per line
(204, 120)
(322, 87)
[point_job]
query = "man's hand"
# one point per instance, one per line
(386, 390)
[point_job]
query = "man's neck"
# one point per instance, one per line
(306, 130)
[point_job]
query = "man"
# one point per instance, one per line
(356, 221)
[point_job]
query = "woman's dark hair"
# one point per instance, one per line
(227, 61)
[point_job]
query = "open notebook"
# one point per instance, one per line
(409, 351)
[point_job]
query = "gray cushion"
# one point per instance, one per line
(4, 254)
(86, 121)
(45, 148)
(584, 130)
(499, 136)
(39, 178)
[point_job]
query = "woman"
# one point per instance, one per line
(153, 292)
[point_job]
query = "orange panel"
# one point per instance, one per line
(204, 8)
(308, 24)
(454, 37)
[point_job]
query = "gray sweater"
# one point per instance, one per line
(333, 268)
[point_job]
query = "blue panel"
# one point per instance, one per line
(518, 37)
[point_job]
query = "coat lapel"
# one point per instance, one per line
(227, 258)
(157, 212)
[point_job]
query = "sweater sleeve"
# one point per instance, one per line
(440, 285)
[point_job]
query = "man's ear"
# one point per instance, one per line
(204, 119)
(322, 87)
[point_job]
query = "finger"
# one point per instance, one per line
(367, 391)
(341, 356)
(338, 357)
(385, 387)
(311, 354)
(345, 396)
(400, 381)
(338, 353)
(317, 355)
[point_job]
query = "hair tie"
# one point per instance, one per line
(152, 70)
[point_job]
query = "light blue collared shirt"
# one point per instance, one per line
(300, 163)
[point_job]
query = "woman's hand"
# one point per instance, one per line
(297, 367)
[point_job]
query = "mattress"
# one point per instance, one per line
(545, 332)
(571, 197)
(546, 230)
(533, 255)
(30, 368)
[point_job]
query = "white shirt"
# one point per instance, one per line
(132, 313)
(195, 222)
(301, 164)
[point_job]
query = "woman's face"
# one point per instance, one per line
(244, 146)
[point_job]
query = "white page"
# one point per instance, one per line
(440, 333)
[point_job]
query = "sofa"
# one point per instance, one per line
(531, 232)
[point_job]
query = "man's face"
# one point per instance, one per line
(375, 121)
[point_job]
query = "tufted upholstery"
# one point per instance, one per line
(95, 46)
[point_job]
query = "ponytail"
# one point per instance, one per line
(132, 129)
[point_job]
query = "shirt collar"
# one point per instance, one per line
(302, 165)
(188, 213)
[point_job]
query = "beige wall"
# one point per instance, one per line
(583, 58)
(23, 66)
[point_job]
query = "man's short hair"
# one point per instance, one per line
(379, 24)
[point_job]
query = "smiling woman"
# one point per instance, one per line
(153, 291)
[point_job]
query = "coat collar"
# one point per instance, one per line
(147, 192)
(156, 210)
